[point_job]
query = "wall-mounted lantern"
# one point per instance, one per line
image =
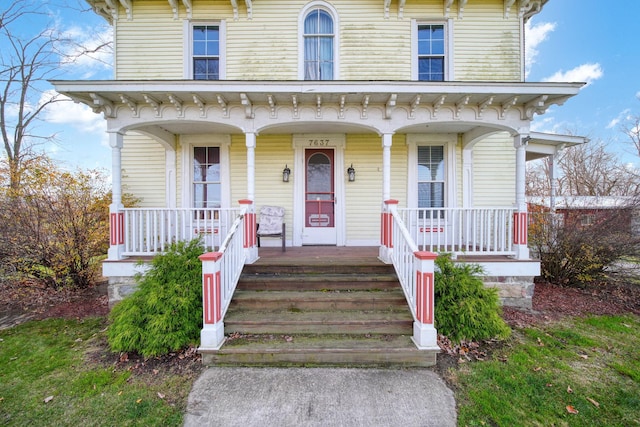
(352, 173)
(286, 172)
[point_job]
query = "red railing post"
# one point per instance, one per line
(212, 333)
(386, 230)
(425, 335)
(250, 231)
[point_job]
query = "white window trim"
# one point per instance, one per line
(187, 143)
(449, 143)
(318, 4)
(448, 40)
(188, 47)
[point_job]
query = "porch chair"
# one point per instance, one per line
(271, 224)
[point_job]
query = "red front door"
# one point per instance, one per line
(319, 197)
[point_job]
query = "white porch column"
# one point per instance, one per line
(116, 215)
(251, 165)
(386, 165)
(250, 244)
(170, 164)
(520, 220)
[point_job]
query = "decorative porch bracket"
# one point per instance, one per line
(250, 232)
(425, 336)
(212, 333)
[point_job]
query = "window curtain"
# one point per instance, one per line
(318, 46)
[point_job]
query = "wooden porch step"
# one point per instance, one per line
(318, 282)
(318, 322)
(309, 309)
(326, 350)
(319, 266)
(319, 301)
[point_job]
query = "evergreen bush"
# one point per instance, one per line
(165, 312)
(464, 308)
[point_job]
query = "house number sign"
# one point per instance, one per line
(319, 142)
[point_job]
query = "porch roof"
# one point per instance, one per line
(547, 144)
(448, 107)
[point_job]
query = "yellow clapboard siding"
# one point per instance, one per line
(272, 153)
(494, 166)
(143, 170)
(486, 45)
(363, 197)
(150, 45)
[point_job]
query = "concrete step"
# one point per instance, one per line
(318, 322)
(319, 301)
(326, 350)
(328, 281)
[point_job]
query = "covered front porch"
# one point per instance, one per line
(439, 168)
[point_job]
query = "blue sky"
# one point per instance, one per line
(593, 42)
(570, 40)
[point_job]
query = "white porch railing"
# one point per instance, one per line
(415, 271)
(150, 231)
(461, 231)
(404, 260)
(220, 275)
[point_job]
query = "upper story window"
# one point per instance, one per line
(431, 52)
(319, 36)
(206, 52)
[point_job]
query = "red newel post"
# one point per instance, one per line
(425, 335)
(386, 230)
(250, 231)
(212, 334)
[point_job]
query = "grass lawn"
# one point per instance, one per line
(47, 377)
(580, 372)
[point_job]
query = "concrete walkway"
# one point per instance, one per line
(319, 397)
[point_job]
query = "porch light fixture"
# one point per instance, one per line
(285, 173)
(352, 173)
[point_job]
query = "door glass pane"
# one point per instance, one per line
(319, 177)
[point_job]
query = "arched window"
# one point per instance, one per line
(318, 38)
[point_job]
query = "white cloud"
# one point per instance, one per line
(638, 95)
(534, 36)
(583, 73)
(624, 115)
(87, 51)
(66, 112)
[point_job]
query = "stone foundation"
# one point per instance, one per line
(120, 287)
(513, 291)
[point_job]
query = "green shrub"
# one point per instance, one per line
(464, 308)
(165, 312)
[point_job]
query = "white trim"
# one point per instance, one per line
(171, 177)
(467, 176)
(448, 42)
(187, 48)
(327, 7)
(187, 142)
(300, 143)
(449, 143)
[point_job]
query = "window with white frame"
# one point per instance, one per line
(206, 52)
(207, 183)
(431, 176)
(318, 39)
(431, 52)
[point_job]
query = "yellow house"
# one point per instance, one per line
(357, 117)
